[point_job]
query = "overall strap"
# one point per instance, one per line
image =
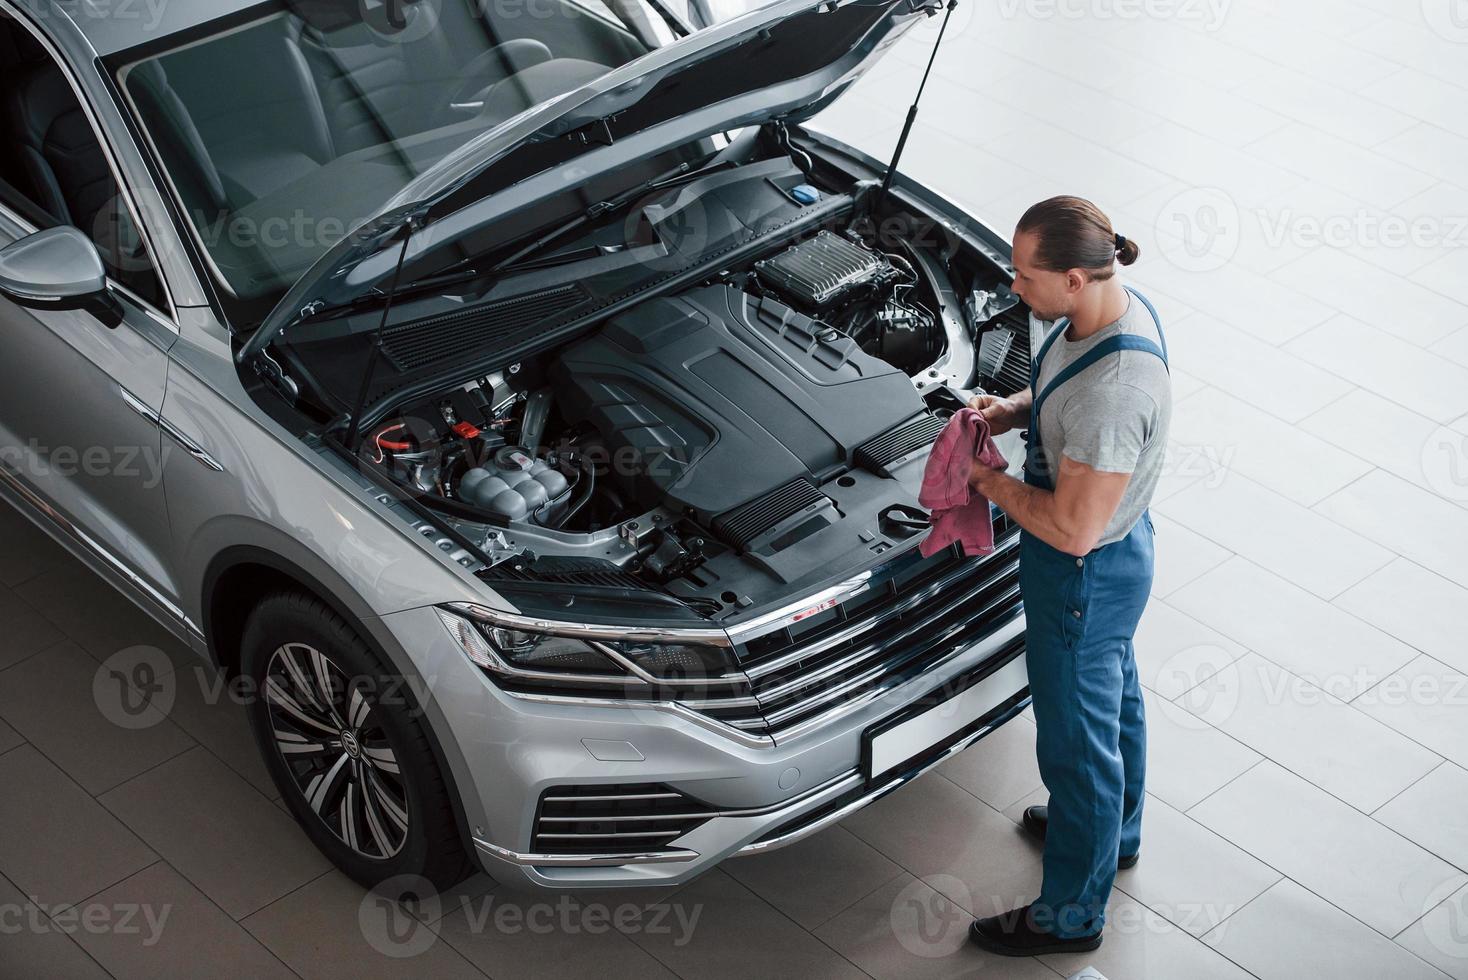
(1156, 320)
(1111, 345)
(1061, 326)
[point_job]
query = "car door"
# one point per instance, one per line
(81, 389)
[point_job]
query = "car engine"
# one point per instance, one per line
(722, 442)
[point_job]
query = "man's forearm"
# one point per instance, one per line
(1030, 507)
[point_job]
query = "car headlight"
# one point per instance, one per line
(580, 654)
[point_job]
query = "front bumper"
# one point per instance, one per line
(505, 752)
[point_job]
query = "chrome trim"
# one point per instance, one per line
(816, 794)
(831, 788)
(669, 707)
(148, 309)
(1002, 635)
(834, 786)
(190, 446)
(609, 798)
(9, 478)
(590, 631)
(800, 652)
(611, 836)
(740, 701)
(838, 670)
(633, 682)
(837, 815)
(169, 429)
(785, 615)
(583, 860)
(620, 818)
(632, 667)
(138, 405)
(25, 18)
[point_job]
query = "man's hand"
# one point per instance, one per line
(1072, 518)
(1002, 414)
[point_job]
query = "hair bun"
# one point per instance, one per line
(1127, 251)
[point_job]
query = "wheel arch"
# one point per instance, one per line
(239, 577)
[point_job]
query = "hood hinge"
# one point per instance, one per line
(599, 132)
(270, 370)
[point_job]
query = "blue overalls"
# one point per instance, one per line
(1081, 615)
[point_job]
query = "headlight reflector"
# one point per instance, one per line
(546, 655)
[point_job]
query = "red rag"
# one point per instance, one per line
(958, 513)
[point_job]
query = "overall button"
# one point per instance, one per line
(1076, 613)
(1080, 563)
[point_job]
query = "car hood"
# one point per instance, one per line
(786, 61)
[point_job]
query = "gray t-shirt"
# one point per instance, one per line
(1113, 416)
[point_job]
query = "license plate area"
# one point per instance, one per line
(940, 719)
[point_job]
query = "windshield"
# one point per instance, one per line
(285, 127)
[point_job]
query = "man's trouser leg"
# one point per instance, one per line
(1081, 615)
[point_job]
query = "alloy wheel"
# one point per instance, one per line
(333, 744)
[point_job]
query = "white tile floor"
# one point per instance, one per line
(1297, 174)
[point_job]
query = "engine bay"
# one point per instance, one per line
(726, 442)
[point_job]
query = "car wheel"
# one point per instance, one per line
(345, 743)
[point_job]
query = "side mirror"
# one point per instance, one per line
(52, 269)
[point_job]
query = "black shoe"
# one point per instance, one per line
(1014, 933)
(1037, 818)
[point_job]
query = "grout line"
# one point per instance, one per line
(45, 649)
(157, 765)
(1252, 766)
(69, 938)
(1424, 915)
(1307, 888)
(1351, 703)
(1199, 939)
(1234, 474)
(1339, 398)
(274, 901)
(864, 895)
(1414, 782)
(1344, 704)
(126, 877)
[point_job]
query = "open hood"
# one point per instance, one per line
(785, 62)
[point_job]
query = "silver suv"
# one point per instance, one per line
(538, 407)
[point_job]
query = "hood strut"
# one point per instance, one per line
(374, 353)
(913, 109)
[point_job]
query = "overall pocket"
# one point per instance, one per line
(1076, 609)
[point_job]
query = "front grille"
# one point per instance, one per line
(614, 819)
(920, 613)
(914, 613)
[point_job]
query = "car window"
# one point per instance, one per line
(282, 134)
(706, 13)
(53, 170)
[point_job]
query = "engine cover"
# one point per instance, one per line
(714, 398)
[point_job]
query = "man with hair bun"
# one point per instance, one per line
(1097, 414)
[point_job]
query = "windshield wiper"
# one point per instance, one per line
(374, 298)
(683, 172)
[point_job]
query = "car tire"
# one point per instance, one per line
(355, 768)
